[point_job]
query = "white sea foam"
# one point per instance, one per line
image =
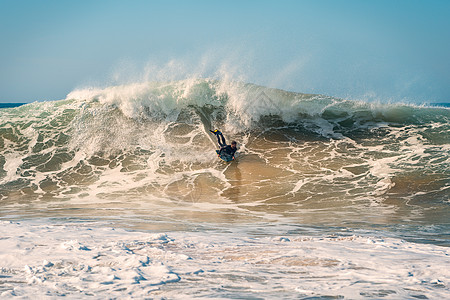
(80, 260)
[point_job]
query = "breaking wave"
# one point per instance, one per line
(297, 152)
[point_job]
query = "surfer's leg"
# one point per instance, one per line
(223, 143)
(218, 140)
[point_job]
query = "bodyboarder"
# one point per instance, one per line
(225, 149)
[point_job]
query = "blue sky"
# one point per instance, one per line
(370, 50)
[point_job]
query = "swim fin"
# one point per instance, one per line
(216, 131)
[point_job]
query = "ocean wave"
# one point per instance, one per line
(152, 140)
(245, 103)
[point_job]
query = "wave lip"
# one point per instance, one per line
(245, 103)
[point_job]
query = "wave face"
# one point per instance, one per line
(148, 146)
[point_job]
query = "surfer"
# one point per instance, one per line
(224, 148)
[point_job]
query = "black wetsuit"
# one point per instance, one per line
(224, 148)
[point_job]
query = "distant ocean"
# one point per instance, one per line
(6, 105)
(440, 104)
(117, 193)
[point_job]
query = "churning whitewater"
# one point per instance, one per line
(312, 172)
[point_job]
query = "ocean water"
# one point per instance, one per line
(117, 192)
